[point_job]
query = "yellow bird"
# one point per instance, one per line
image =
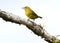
(30, 13)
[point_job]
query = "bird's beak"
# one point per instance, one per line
(22, 7)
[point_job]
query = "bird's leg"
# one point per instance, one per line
(28, 19)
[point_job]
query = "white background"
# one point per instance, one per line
(15, 33)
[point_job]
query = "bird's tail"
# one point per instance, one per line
(39, 17)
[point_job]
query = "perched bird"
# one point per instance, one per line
(30, 13)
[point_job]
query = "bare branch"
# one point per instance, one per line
(37, 29)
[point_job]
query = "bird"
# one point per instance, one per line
(30, 13)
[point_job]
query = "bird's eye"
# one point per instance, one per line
(25, 7)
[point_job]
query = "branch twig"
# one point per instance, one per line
(37, 29)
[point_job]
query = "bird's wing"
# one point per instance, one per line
(34, 13)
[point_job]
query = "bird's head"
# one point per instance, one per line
(26, 7)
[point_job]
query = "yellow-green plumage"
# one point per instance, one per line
(30, 13)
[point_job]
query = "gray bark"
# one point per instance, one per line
(37, 29)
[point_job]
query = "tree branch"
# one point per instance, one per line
(37, 29)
